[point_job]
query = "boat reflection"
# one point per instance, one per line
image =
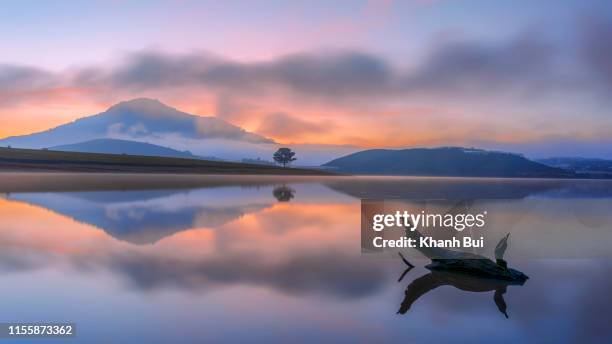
(464, 271)
(434, 279)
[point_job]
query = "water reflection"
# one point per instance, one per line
(193, 240)
(147, 216)
(467, 188)
(283, 193)
(434, 279)
(315, 273)
(196, 257)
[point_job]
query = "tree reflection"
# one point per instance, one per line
(283, 193)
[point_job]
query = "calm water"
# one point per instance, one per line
(194, 259)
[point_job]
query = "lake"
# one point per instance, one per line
(191, 259)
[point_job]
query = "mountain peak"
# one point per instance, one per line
(140, 101)
(142, 105)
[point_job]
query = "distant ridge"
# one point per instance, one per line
(445, 161)
(601, 168)
(115, 146)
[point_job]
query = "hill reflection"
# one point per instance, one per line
(147, 216)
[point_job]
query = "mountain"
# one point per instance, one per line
(150, 121)
(136, 119)
(115, 146)
(445, 161)
(592, 167)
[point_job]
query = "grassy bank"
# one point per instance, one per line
(16, 159)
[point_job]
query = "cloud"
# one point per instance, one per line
(21, 83)
(526, 62)
(150, 69)
(231, 107)
(596, 48)
(343, 73)
(214, 128)
(468, 67)
(13, 77)
(303, 274)
(492, 89)
(286, 126)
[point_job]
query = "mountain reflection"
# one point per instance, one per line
(147, 216)
(221, 249)
(220, 237)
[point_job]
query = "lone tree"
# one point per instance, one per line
(284, 156)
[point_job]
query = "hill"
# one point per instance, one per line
(591, 167)
(14, 159)
(115, 146)
(446, 161)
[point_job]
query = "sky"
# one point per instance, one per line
(528, 76)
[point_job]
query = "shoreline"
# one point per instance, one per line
(40, 160)
(19, 160)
